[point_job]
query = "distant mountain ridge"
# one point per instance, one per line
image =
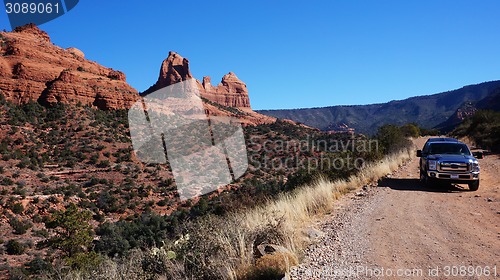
(427, 111)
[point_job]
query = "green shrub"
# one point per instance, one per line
(410, 130)
(94, 159)
(19, 226)
(145, 231)
(391, 139)
(103, 164)
(429, 132)
(74, 233)
(14, 247)
(483, 128)
(17, 208)
(161, 203)
(23, 163)
(38, 266)
(84, 260)
(6, 181)
(107, 202)
(41, 233)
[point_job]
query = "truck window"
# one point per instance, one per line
(448, 148)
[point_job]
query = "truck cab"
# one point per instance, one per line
(449, 160)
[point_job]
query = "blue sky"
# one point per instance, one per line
(295, 54)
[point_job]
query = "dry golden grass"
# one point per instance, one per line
(281, 261)
(268, 266)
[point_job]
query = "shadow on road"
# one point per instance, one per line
(415, 185)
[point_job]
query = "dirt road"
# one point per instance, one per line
(402, 230)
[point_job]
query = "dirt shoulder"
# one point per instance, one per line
(400, 229)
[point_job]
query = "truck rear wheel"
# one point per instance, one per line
(474, 186)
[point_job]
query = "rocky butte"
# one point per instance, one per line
(228, 98)
(32, 68)
(230, 92)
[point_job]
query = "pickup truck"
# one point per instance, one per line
(448, 160)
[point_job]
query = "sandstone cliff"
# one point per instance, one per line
(230, 92)
(32, 68)
(228, 98)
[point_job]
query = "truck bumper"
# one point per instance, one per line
(458, 178)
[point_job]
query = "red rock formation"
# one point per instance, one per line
(174, 69)
(231, 91)
(76, 52)
(34, 30)
(466, 110)
(32, 68)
